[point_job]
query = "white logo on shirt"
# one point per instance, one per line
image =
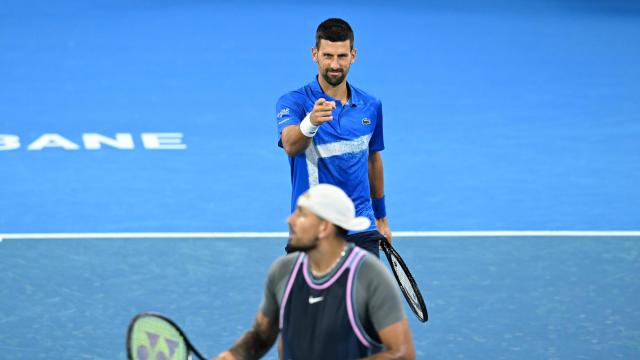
(283, 112)
(313, 300)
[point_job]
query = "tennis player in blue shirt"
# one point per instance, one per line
(332, 132)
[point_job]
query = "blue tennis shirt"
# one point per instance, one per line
(339, 152)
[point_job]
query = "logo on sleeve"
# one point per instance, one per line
(366, 121)
(282, 113)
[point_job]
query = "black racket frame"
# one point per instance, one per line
(390, 252)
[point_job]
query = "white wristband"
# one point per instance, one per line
(307, 128)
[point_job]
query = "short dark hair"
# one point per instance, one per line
(334, 30)
(341, 232)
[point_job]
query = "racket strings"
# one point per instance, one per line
(407, 287)
(154, 338)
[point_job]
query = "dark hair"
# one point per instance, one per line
(334, 30)
(341, 232)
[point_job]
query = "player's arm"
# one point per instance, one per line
(397, 342)
(293, 140)
(296, 138)
(255, 342)
(376, 183)
(379, 299)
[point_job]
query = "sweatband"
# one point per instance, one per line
(307, 128)
(379, 208)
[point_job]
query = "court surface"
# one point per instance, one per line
(158, 116)
(488, 298)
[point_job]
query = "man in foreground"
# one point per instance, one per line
(329, 299)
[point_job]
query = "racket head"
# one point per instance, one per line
(154, 336)
(405, 280)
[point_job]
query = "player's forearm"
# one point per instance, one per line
(376, 175)
(392, 355)
(257, 341)
(293, 140)
(250, 346)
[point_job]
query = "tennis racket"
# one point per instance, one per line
(155, 337)
(406, 281)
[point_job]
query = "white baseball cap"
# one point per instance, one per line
(332, 204)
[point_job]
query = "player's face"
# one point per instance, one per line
(304, 227)
(334, 60)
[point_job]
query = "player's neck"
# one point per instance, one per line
(340, 92)
(324, 258)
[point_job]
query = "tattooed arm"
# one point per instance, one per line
(255, 342)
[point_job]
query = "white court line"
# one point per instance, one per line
(145, 235)
(226, 235)
(506, 233)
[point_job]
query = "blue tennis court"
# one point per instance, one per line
(157, 118)
(498, 298)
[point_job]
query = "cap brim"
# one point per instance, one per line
(356, 224)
